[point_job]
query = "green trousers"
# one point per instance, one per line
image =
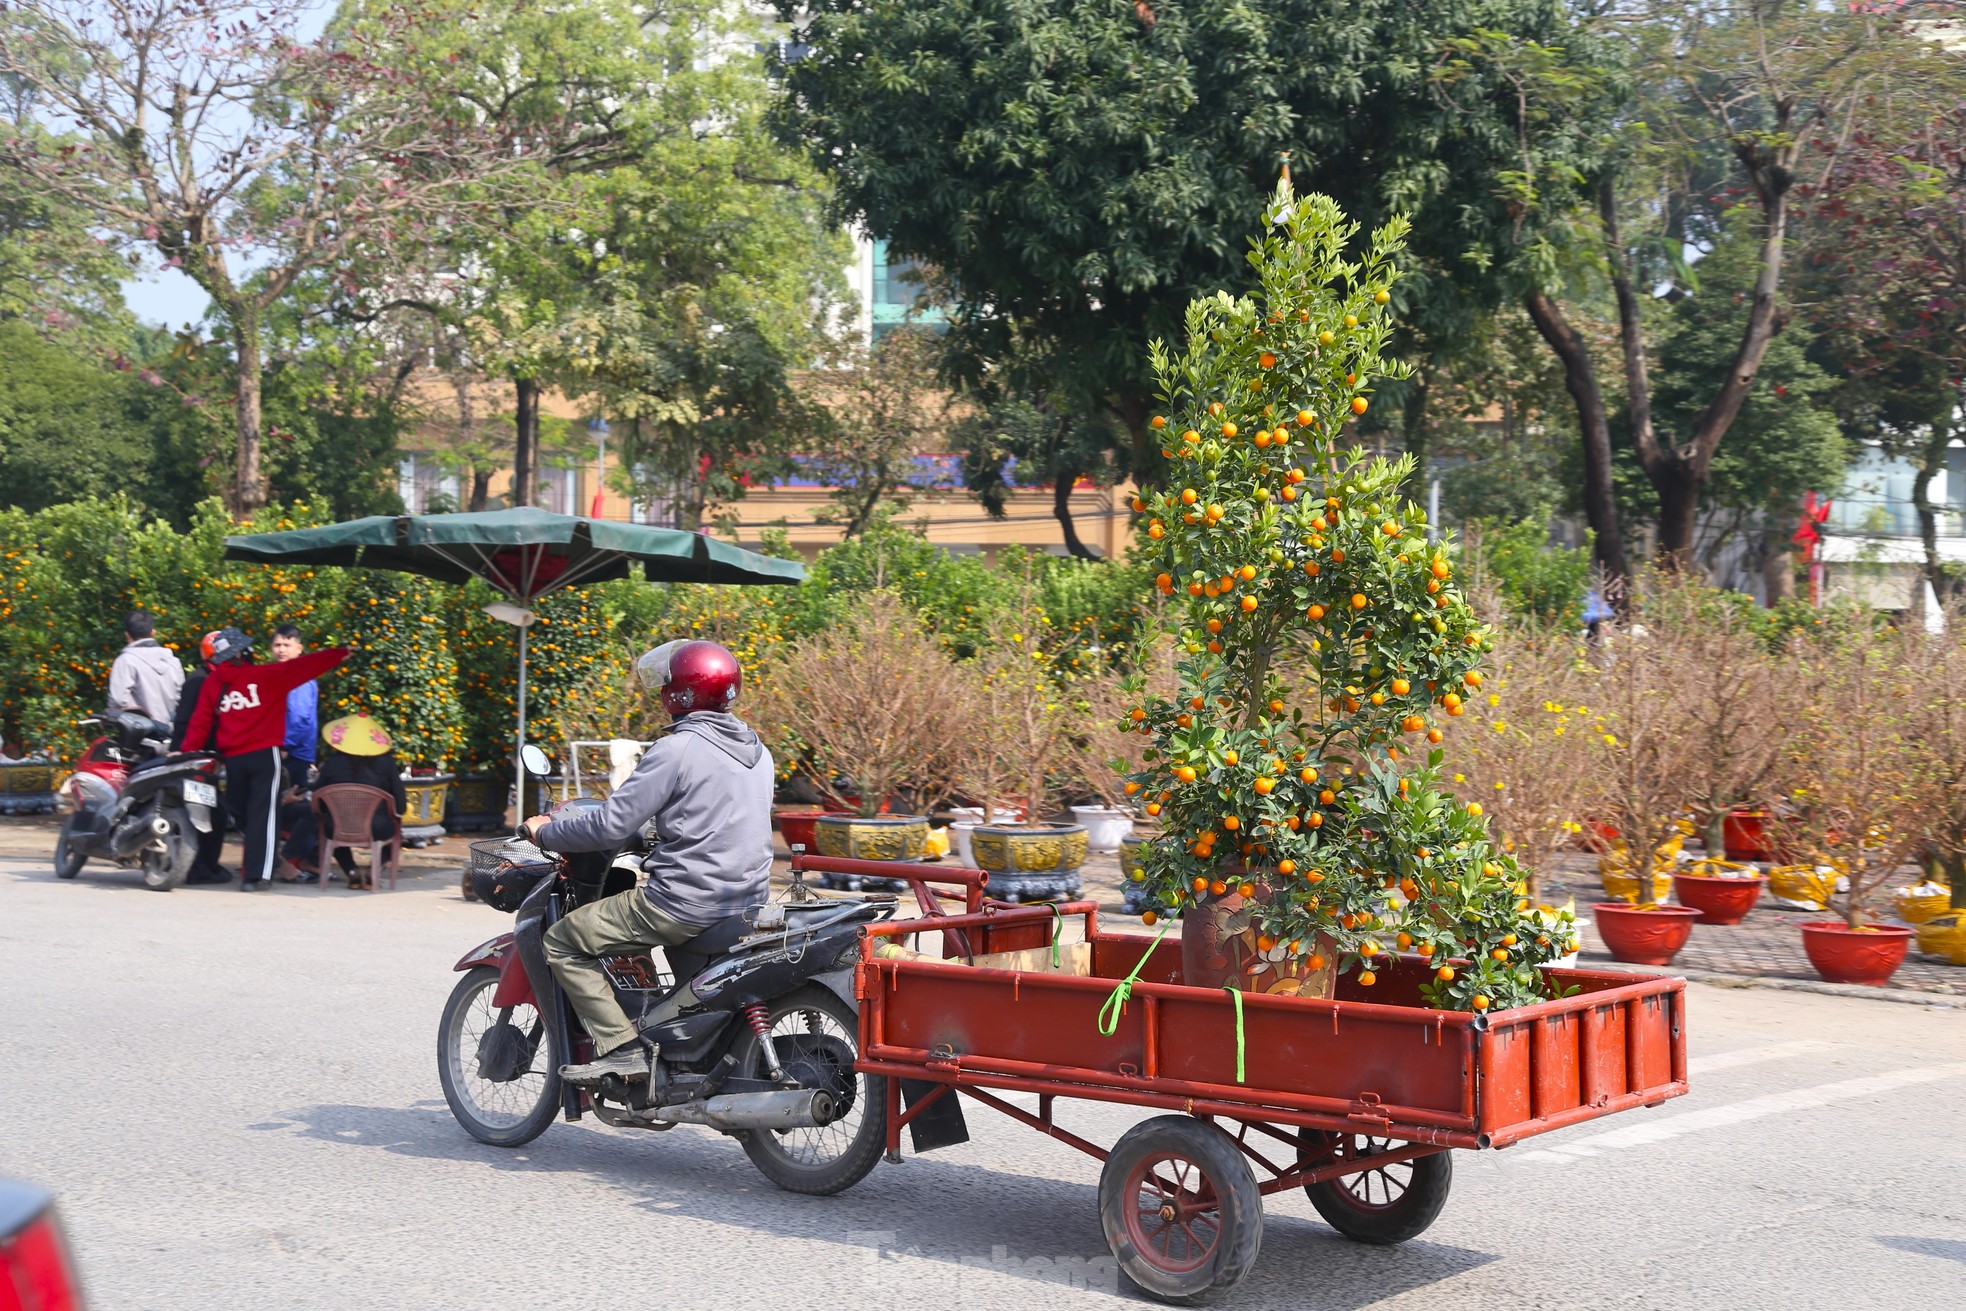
(619, 925)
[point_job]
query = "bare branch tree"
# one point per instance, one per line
(244, 154)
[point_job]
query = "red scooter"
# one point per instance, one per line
(135, 803)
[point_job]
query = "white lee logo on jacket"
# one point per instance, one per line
(237, 700)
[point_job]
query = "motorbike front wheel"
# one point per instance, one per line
(497, 1065)
(69, 857)
(816, 1037)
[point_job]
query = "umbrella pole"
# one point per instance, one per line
(518, 752)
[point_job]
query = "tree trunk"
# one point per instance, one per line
(1777, 563)
(248, 482)
(1932, 462)
(1678, 472)
(1134, 410)
(1580, 380)
(1679, 491)
(1061, 510)
(525, 451)
(481, 476)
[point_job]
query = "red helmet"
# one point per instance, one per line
(207, 643)
(692, 676)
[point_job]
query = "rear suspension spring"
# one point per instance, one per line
(758, 1016)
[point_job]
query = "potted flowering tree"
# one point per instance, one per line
(873, 698)
(1019, 728)
(1308, 831)
(1858, 774)
(1642, 727)
(1527, 750)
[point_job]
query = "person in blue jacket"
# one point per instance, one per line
(297, 751)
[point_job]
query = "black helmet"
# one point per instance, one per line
(230, 644)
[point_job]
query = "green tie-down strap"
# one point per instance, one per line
(1057, 930)
(1109, 1014)
(1235, 992)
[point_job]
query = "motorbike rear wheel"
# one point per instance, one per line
(166, 869)
(830, 1158)
(69, 856)
(504, 1112)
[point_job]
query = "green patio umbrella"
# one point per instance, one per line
(523, 553)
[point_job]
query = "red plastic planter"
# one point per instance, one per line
(1719, 900)
(1844, 955)
(1643, 937)
(1600, 836)
(797, 827)
(1744, 833)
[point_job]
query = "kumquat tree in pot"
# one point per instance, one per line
(1310, 833)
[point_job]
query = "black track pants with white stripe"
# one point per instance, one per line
(252, 794)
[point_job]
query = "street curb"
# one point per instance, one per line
(1908, 996)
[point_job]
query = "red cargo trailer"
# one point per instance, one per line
(1358, 1099)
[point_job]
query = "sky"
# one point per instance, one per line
(167, 299)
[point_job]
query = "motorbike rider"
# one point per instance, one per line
(708, 786)
(243, 706)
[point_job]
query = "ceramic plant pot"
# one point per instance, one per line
(27, 787)
(860, 837)
(1221, 946)
(474, 802)
(1029, 862)
(423, 809)
(1105, 826)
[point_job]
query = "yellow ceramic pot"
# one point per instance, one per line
(1015, 849)
(881, 837)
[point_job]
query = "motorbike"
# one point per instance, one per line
(755, 1020)
(132, 801)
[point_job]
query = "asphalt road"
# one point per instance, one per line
(236, 1100)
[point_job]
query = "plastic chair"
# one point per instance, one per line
(345, 813)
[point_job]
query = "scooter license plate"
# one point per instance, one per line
(200, 794)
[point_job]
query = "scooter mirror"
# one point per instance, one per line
(535, 761)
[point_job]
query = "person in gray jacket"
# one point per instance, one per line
(708, 787)
(146, 676)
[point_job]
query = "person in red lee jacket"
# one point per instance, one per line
(242, 714)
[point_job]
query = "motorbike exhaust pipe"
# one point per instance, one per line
(797, 1108)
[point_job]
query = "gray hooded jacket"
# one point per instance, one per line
(146, 677)
(708, 787)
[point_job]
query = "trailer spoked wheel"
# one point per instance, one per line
(1181, 1209)
(1382, 1204)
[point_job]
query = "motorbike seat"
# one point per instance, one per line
(688, 959)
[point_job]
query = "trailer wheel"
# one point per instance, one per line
(1383, 1204)
(1181, 1209)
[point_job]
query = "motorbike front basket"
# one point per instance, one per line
(501, 878)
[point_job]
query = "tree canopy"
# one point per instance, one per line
(1076, 172)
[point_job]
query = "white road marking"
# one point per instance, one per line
(1774, 1051)
(1753, 1108)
